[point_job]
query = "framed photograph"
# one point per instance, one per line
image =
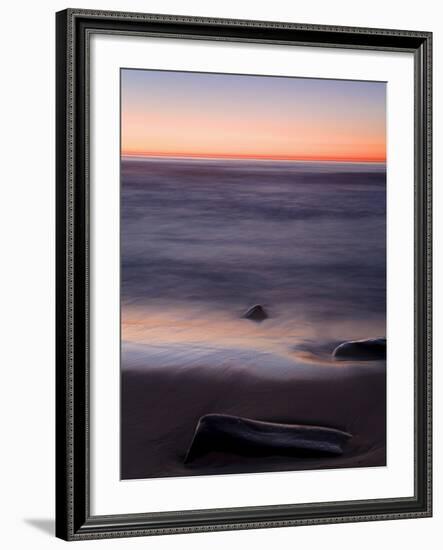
(243, 274)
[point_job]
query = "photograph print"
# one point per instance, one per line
(253, 273)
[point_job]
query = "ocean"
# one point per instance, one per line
(203, 240)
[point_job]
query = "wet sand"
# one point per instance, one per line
(165, 390)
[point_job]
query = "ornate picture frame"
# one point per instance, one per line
(75, 519)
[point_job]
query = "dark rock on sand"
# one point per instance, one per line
(256, 313)
(244, 436)
(361, 350)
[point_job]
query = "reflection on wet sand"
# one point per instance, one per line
(280, 334)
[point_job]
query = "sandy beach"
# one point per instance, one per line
(165, 391)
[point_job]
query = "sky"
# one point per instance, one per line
(175, 113)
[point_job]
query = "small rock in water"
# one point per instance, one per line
(362, 350)
(256, 313)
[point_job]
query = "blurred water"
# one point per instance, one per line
(207, 239)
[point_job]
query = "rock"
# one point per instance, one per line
(362, 350)
(244, 436)
(256, 313)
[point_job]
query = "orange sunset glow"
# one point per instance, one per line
(182, 114)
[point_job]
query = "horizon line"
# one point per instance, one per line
(145, 154)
